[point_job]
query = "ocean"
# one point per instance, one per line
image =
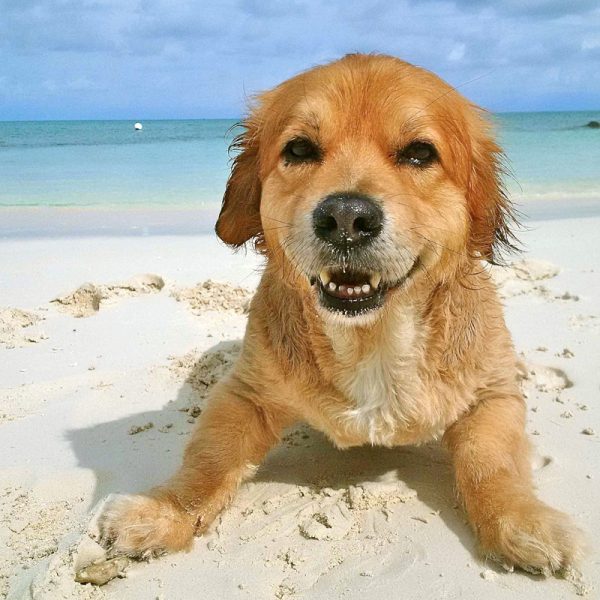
(184, 163)
(108, 163)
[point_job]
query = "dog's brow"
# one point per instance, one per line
(309, 119)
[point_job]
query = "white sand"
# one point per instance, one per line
(103, 404)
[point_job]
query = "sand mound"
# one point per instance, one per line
(86, 300)
(546, 379)
(83, 302)
(330, 523)
(334, 514)
(12, 323)
(534, 270)
(523, 277)
(379, 494)
(212, 295)
(202, 371)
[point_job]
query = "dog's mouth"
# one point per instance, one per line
(353, 293)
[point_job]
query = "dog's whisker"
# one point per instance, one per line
(265, 216)
(442, 246)
(276, 228)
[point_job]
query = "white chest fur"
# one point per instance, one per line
(379, 377)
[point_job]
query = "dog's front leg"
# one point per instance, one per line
(231, 438)
(490, 452)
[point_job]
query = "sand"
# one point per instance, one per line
(212, 295)
(87, 298)
(104, 372)
(16, 327)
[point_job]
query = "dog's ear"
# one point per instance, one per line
(239, 220)
(492, 215)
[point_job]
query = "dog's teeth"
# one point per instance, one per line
(349, 290)
(375, 280)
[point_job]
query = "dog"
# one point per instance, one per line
(373, 190)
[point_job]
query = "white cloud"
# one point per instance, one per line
(590, 44)
(82, 84)
(457, 53)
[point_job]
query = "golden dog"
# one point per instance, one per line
(372, 188)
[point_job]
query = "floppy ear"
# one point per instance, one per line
(491, 212)
(239, 220)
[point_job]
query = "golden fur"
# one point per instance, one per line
(435, 360)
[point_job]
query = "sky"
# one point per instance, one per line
(103, 59)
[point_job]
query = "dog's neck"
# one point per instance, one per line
(360, 338)
(376, 370)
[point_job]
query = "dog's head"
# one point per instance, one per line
(362, 176)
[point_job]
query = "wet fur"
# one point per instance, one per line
(436, 360)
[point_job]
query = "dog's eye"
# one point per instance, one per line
(301, 150)
(418, 154)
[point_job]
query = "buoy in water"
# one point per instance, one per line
(138, 126)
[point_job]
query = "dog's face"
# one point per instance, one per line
(362, 177)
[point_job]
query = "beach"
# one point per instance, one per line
(120, 309)
(102, 384)
(384, 152)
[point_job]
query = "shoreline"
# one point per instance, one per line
(153, 220)
(52, 222)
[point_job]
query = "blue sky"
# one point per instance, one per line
(189, 59)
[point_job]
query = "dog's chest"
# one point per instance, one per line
(380, 383)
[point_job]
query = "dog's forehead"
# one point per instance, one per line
(385, 103)
(389, 107)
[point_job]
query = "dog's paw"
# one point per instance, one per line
(142, 526)
(534, 537)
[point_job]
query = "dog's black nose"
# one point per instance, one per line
(347, 220)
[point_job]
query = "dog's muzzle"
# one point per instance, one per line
(350, 225)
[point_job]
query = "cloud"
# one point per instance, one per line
(545, 9)
(87, 58)
(457, 53)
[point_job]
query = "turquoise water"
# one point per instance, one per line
(185, 163)
(104, 163)
(551, 154)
